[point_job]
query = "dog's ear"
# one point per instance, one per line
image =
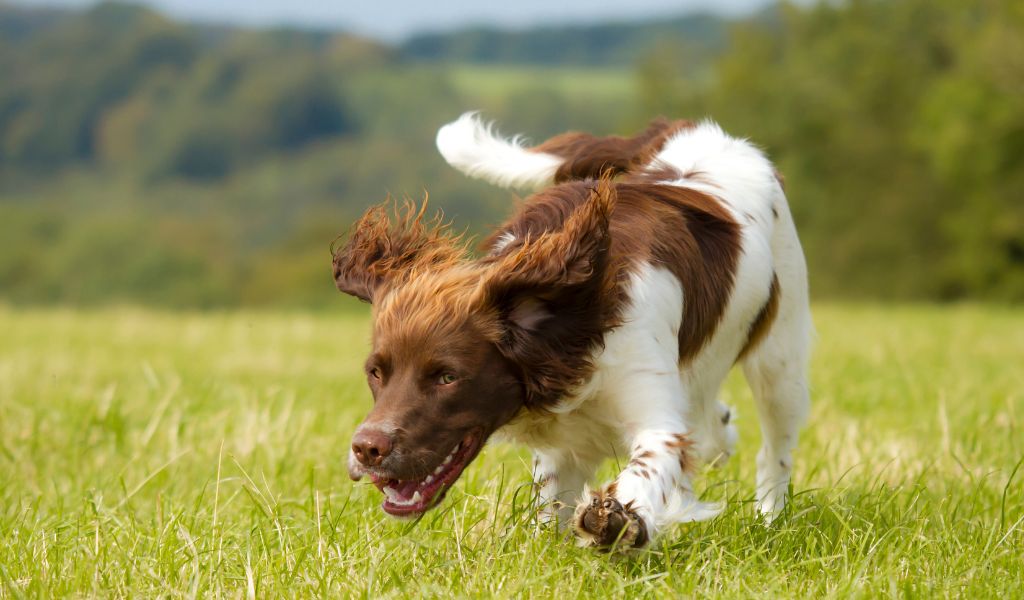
(381, 250)
(553, 295)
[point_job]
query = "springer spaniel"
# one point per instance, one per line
(601, 322)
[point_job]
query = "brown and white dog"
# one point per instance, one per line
(601, 322)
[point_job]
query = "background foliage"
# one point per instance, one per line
(151, 161)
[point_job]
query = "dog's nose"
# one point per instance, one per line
(371, 446)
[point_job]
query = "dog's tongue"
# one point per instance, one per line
(406, 489)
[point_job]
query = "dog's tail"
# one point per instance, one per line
(475, 148)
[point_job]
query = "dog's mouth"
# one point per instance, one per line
(405, 497)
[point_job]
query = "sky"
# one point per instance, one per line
(396, 19)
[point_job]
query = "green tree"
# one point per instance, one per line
(897, 125)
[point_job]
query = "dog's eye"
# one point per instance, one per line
(375, 373)
(446, 379)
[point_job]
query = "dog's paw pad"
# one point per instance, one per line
(603, 521)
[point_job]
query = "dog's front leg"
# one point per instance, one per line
(652, 491)
(654, 488)
(560, 475)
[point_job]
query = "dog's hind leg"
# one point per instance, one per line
(776, 370)
(780, 392)
(713, 430)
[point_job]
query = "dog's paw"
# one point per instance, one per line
(604, 522)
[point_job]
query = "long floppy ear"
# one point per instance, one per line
(554, 294)
(379, 251)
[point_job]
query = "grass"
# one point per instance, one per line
(148, 453)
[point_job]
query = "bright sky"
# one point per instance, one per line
(398, 18)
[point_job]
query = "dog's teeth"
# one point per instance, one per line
(416, 498)
(447, 460)
(392, 495)
(438, 470)
(429, 479)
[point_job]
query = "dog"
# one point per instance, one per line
(600, 321)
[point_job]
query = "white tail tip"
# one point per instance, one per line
(475, 148)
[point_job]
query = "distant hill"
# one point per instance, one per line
(606, 44)
(609, 44)
(119, 83)
(124, 85)
(17, 22)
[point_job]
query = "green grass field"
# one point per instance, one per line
(153, 454)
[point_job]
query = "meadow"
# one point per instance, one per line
(179, 454)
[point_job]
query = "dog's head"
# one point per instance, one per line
(460, 346)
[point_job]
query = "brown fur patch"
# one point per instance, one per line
(660, 173)
(589, 157)
(780, 179)
(692, 235)
(682, 445)
(762, 323)
(677, 441)
(656, 173)
(685, 231)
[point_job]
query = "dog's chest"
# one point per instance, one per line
(585, 429)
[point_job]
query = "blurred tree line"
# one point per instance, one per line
(899, 126)
(602, 45)
(146, 160)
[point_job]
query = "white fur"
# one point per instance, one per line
(476, 149)
(639, 396)
(502, 242)
(737, 173)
